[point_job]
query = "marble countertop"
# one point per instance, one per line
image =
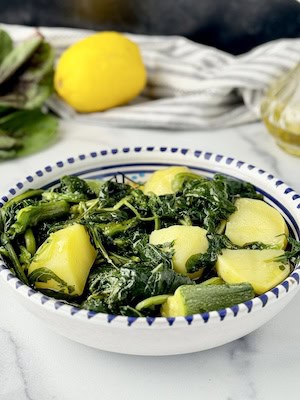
(37, 364)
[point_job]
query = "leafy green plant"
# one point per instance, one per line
(26, 81)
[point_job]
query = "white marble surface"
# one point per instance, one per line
(37, 364)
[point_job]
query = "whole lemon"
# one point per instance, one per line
(99, 72)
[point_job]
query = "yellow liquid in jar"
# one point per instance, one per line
(280, 111)
(288, 141)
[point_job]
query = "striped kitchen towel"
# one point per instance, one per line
(190, 86)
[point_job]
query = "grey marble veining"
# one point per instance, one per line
(263, 152)
(37, 364)
(12, 376)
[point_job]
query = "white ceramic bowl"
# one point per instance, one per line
(159, 336)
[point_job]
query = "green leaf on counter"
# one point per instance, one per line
(40, 64)
(35, 129)
(18, 56)
(7, 154)
(26, 81)
(31, 87)
(5, 111)
(28, 95)
(6, 45)
(8, 142)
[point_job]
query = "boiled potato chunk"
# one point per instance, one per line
(256, 221)
(257, 267)
(160, 182)
(188, 240)
(68, 253)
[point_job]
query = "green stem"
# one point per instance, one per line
(99, 245)
(32, 215)
(4, 252)
(125, 202)
(30, 242)
(157, 223)
(14, 259)
(26, 195)
(84, 208)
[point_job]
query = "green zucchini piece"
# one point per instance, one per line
(189, 300)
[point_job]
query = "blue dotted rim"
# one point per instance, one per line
(209, 160)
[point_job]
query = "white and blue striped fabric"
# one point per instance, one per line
(190, 86)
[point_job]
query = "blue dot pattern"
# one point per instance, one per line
(249, 305)
(205, 316)
(150, 320)
(189, 319)
(74, 310)
(222, 314)
(235, 310)
(91, 314)
(170, 320)
(264, 299)
(110, 317)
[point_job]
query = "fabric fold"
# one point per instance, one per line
(189, 85)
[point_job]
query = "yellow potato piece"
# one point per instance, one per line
(69, 254)
(160, 182)
(188, 240)
(254, 266)
(256, 221)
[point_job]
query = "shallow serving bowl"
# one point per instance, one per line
(159, 336)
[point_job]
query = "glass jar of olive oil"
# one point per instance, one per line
(280, 110)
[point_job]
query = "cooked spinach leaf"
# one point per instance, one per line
(203, 202)
(293, 252)
(133, 282)
(119, 218)
(45, 274)
(238, 188)
(217, 243)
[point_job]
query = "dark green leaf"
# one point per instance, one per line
(181, 178)
(6, 45)
(95, 302)
(238, 188)
(208, 259)
(33, 214)
(18, 56)
(12, 256)
(38, 130)
(293, 253)
(7, 154)
(27, 95)
(216, 244)
(45, 274)
(29, 194)
(132, 283)
(7, 142)
(111, 193)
